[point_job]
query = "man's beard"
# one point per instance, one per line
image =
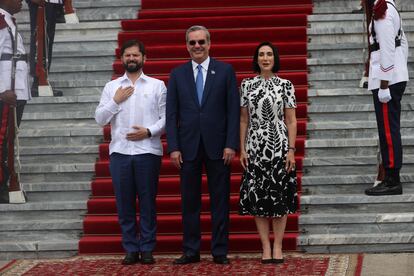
(133, 66)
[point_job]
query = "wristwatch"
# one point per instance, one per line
(149, 132)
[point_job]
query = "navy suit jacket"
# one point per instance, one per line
(216, 121)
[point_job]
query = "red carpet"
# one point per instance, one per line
(244, 264)
(236, 27)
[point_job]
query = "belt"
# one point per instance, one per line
(19, 57)
(375, 47)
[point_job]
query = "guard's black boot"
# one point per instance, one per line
(389, 186)
(4, 194)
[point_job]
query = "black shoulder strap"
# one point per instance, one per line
(399, 35)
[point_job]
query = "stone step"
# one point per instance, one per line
(340, 18)
(61, 247)
(349, 96)
(56, 176)
(60, 154)
(351, 243)
(81, 64)
(82, 91)
(56, 172)
(56, 168)
(59, 132)
(356, 151)
(57, 196)
(355, 133)
(342, 65)
(71, 123)
(374, 223)
(335, 6)
(51, 209)
(335, 36)
(350, 147)
(82, 114)
(348, 188)
(61, 140)
(351, 76)
(73, 107)
(349, 143)
(342, 108)
(349, 92)
(364, 112)
(350, 165)
(349, 161)
(103, 75)
(348, 184)
(40, 224)
(354, 204)
(84, 48)
(365, 179)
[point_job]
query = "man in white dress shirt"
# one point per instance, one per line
(134, 105)
(8, 97)
(53, 10)
(388, 76)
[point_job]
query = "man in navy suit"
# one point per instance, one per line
(202, 127)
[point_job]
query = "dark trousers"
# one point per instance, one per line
(218, 178)
(7, 141)
(388, 123)
(134, 175)
(51, 12)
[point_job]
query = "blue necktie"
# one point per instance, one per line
(199, 83)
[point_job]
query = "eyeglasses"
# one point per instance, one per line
(200, 42)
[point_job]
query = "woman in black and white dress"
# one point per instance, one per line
(267, 150)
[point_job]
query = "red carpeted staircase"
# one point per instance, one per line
(236, 27)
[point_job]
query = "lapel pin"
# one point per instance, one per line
(213, 72)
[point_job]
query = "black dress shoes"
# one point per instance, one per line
(278, 261)
(267, 261)
(221, 260)
(147, 258)
(387, 187)
(131, 258)
(184, 259)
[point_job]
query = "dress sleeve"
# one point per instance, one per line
(289, 99)
(244, 101)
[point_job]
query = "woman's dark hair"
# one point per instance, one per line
(131, 43)
(276, 59)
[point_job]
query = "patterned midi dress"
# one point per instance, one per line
(267, 190)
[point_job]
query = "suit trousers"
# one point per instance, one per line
(388, 123)
(132, 176)
(218, 178)
(5, 113)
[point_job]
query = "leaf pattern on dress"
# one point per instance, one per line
(266, 189)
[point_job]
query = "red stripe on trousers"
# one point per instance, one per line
(3, 128)
(388, 135)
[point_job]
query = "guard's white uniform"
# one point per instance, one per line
(22, 69)
(389, 62)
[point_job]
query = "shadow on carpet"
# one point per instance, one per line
(241, 264)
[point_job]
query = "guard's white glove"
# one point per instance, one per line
(384, 95)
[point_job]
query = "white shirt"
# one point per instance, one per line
(204, 66)
(145, 107)
(22, 69)
(389, 62)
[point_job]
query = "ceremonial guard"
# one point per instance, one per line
(53, 9)
(388, 76)
(14, 92)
